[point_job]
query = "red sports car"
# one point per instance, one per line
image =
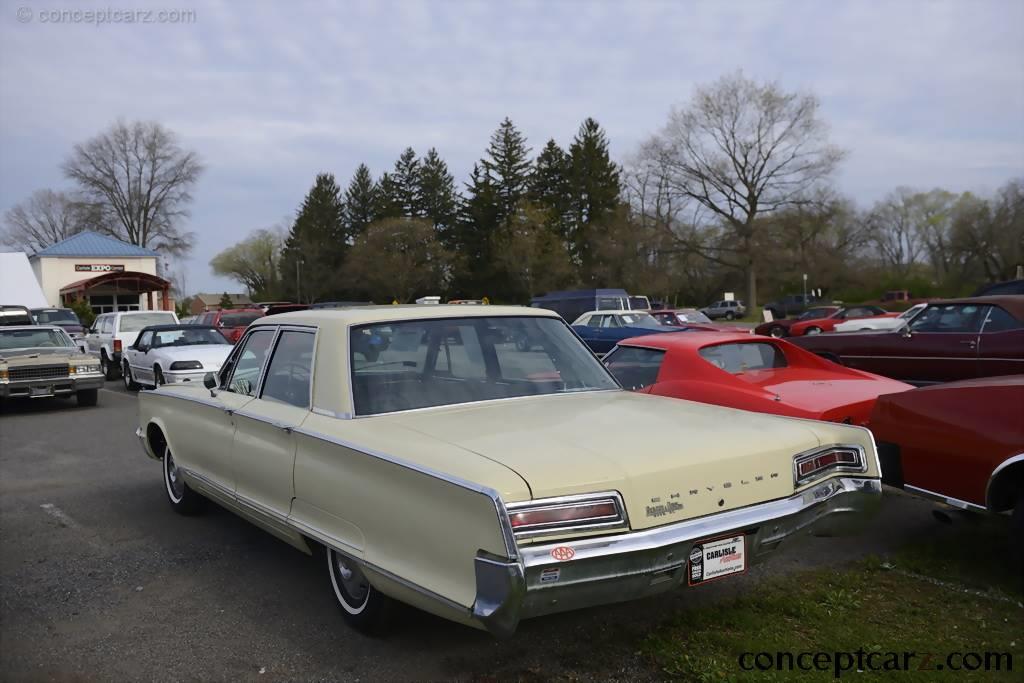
(961, 443)
(756, 373)
(780, 327)
(828, 324)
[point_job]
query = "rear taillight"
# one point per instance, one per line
(551, 516)
(117, 346)
(810, 466)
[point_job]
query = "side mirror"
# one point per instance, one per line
(210, 380)
(907, 333)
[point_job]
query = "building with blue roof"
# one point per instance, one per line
(109, 274)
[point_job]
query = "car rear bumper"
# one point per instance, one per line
(49, 387)
(628, 566)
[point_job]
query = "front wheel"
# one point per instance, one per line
(183, 499)
(1017, 535)
(87, 397)
(777, 331)
(362, 606)
(158, 377)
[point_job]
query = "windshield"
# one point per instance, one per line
(426, 363)
(134, 323)
(33, 339)
(239, 319)
(692, 315)
(188, 336)
(815, 313)
(645, 320)
(53, 316)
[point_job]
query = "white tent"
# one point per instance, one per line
(18, 284)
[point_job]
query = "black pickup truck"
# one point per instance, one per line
(791, 304)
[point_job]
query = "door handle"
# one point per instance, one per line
(970, 343)
(229, 411)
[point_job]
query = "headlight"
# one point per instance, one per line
(4, 376)
(82, 368)
(186, 365)
(550, 516)
(816, 464)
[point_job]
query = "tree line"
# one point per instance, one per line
(734, 193)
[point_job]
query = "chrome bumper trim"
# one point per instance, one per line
(628, 566)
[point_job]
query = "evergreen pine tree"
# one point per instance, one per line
(360, 202)
(595, 190)
(315, 247)
(472, 237)
(550, 188)
(407, 184)
(388, 198)
(438, 197)
(508, 167)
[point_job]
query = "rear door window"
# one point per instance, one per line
(999, 320)
(739, 358)
(635, 367)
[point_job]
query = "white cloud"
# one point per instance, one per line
(922, 93)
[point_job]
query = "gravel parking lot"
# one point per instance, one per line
(99, 579)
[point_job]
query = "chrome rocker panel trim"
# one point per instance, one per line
(607, 569)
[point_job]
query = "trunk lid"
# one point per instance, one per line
(670, 459)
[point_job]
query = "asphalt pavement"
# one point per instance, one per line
(100, 580)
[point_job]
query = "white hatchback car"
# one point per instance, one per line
(173, 354)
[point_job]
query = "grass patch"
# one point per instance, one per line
(954, 593)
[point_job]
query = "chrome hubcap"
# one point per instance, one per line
(177, 485)
(353, 582)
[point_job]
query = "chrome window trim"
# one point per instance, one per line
(499, 506)
(351, 371)
(302, 329)
(1012, 460)
(620, 521)
(832, 470)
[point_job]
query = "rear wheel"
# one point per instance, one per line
(1017, 535)
(813, 330)
(729, 315)
(107, 366)
(362, 606)
(129, 382)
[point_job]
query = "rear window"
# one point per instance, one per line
(134, 323)
(52, 316)
(239, 319)
(739, 358)
(635, 368)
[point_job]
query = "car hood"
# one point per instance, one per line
(669, 459)
(210, 355)
(24, 357)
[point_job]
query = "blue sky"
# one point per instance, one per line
(922, 94)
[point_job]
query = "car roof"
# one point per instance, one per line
(172, 328)
(14, 328)
(359, 315)
(1012, 303)
(614, 311)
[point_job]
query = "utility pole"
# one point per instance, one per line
(298, 279)
(805, 292)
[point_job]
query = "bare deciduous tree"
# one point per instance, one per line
(141, 179)
(740, 151)
(45, 218)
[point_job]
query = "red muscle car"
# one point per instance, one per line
(947, 341)
(755, 373)
(780, 327)
(231, 322)
(843, 314)
(961, 443)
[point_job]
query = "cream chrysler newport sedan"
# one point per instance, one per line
(481, 464)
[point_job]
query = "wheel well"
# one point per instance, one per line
(157, 441)
(1004, 490)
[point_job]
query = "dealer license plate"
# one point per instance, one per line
(716, 559)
